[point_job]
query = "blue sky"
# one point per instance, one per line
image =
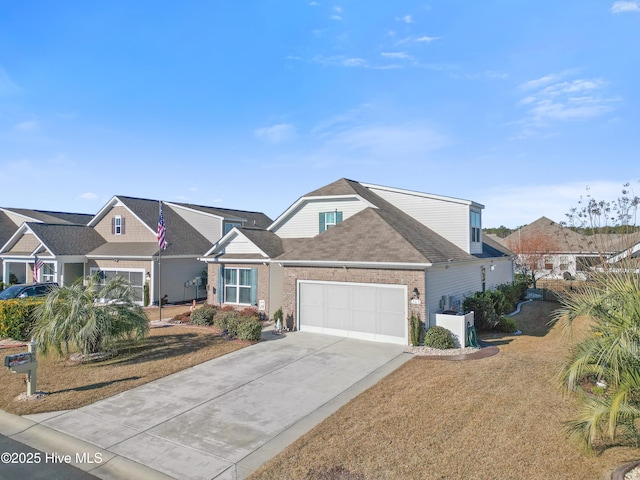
(519, 106)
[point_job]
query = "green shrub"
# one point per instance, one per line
(249, 329)
(438, 337)
(507, 325)
(417, 330)
(223, 317)
(16, 319)
(203, 315)
(483, 306)
(278, 315)
(146, 298)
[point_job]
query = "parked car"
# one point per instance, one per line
(27, 290)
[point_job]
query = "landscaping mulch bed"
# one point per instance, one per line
(493, 418)
(168, 348)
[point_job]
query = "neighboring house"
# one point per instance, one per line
(357, 259)
(121, 240)
(558, 251)
(12, 218)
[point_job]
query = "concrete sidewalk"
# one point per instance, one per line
(221, 419)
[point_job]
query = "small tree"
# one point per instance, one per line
(534, 252)
(71, 317)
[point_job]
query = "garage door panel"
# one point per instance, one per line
(370, 312)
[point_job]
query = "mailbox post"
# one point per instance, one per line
(25, 363)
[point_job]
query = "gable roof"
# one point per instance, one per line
(66, 239)
(561, 239)
(379, 234)
(182, 238)
(53, 217)
(251, 219)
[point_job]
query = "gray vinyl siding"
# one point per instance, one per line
(447, 218)
(303, 222)
(175, 272)
(208, 226)
(463, 280)
(276, 273)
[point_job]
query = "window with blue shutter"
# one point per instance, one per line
(329, 219)
(240, 285)
(221, 284)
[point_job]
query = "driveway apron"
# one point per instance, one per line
(222, 418)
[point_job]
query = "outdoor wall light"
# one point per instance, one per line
(148, 276)
(416, 293)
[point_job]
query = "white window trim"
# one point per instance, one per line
(117, 225)
(237, 286)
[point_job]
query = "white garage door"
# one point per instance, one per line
(366, 311)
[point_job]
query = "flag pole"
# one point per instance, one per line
(159, 266)
(162, 244)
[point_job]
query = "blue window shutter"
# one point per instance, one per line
(338, 217)
(323, 225)
(221, 284)
(253, 279)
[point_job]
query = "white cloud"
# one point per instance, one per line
(389, 141)
(7, 86)
(26, 126)
(625, 6)
(426, 39)
(276, 133)
(399, 55)
(88, 196)
(313, 4)
(551, 100)
(405, 19)
(336, 17)
(354, 62)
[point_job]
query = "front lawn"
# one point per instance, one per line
(166, 350)
(496, 418)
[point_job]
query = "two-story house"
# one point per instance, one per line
(357, 259)
(121, 239)
(11, 219)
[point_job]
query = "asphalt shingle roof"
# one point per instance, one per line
(382, 234)
(54, 217)
(67, 239)
(182, 238)
(253, 219)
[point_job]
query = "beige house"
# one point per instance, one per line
(357, 260)
(121, 239)
(11, 219)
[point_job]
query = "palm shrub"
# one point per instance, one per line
(71, 318)
(608, 355)
(438, 337)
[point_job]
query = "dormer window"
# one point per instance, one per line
(329, 219)
(476, 227)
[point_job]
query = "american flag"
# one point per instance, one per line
(162, 230)
(37, 265)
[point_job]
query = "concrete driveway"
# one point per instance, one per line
(224, 418)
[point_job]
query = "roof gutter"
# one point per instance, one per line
(345, 264)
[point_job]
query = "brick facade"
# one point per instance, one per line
(411, 278)
(263, 283)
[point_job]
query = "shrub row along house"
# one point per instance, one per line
(350, 258)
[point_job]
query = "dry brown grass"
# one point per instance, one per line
(496, 418)
(166, 350)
